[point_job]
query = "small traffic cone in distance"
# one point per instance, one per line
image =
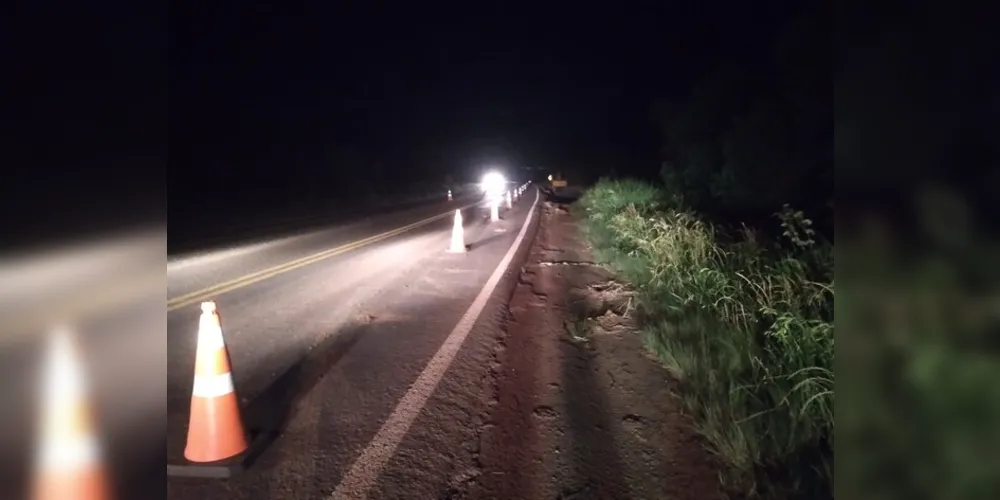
(215, 428)
(69, 464)
(449, 195)
(510, 205)
(495, 211)
(457, 235)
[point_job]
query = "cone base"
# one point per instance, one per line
(87, 484)
(215, 430)
(259, 442)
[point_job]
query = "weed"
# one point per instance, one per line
(746, 328)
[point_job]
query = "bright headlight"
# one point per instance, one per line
(493, 183)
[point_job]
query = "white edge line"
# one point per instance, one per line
(368, 466)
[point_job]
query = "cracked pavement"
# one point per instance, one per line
(571, 417)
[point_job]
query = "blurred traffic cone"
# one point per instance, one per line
(457, 235)
(509, 203)
(449, 195)
(215, 429)
(495, 210)
(69, 463)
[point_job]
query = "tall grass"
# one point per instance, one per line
(746, 327)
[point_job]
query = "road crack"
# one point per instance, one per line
(546, 413)
(549, 263)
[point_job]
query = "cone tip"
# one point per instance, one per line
(208, 307)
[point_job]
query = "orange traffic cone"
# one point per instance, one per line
(69, 463)
(457, 234)
(215, 429)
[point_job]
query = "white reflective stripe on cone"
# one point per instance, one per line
(75, 454)
(212, 386)
(210, 336)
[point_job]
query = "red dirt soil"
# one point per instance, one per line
(580, 408)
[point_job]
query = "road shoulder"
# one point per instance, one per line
(576, 407)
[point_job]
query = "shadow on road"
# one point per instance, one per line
(594, 449)
(485, 241)
(591, 429)
(273, 408)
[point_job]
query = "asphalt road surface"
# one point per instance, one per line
(358, 342)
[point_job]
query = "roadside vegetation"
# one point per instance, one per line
(744, 323)
(731, 254)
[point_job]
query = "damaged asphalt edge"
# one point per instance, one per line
(501, 315)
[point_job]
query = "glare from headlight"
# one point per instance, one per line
(493, 184)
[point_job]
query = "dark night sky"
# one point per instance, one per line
(229, 100)
(283, 90)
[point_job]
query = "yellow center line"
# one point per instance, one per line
(255, 277)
